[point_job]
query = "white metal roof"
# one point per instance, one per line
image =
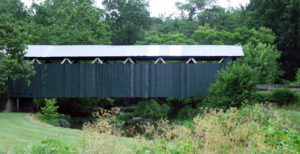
(48, 51)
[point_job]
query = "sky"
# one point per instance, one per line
(167, 7)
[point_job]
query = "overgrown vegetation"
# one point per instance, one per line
(255, 128)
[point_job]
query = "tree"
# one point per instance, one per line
(127, 19)
(263, 58)
(192, 8)
(260, 52)
(282, 16)
(206, 35)
(167, 39)
(13, 40)
(13, 7)
(69, 22)
(241, 35)
(220, 18)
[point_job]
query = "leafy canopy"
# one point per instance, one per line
(127, 20)
(167, 39)
(69, 22)
(263, 58)
(13, 40)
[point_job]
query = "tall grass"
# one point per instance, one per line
(255, 128)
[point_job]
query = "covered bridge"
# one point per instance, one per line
(123, 71)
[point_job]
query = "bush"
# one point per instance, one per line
(283, 96)
(233, 86)
(262, 97)
(177, 104)
(151, 109)
(50, 146)
(50, 114)
(186, 113)
(49, 111)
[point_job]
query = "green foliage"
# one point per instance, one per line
(283, 139)
(262, 96)
(283, 96)
(49, 114)
(127, 20)
(282, 17)
(206, 35)
(258, 46)
(181, 108)
(255, 129)
(263, 58)
(69, 22)
(221, 18)
(240, 35)
(167, 39)
(233, 86)
(51, 146)
(13, 7)
(50, 110)
(151, 109)
(192, 7)
(13, 39)
(186, 113)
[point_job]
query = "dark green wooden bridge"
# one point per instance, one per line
(123, 71)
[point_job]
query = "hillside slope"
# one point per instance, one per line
(17, 132)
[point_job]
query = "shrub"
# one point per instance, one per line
(283, 96)
(262, 96)
(186, 113)
(50, 146)
(50, 114)
(233, 86)
(151, 109)
(177, 104)
(49, 111)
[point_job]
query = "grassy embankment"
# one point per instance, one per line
(17, 132)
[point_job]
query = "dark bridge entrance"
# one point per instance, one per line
(179, 75)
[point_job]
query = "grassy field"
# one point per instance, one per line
(17, 132)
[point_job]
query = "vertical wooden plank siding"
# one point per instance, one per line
(118, 80)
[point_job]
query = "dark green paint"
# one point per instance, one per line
(118, 80)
